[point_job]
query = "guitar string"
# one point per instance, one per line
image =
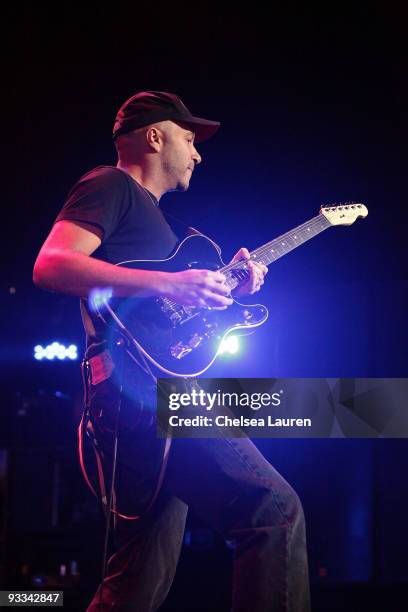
(312, 223)
(241, 264)
(267, 247)
(287, 236)
(319, 219)
(262, 249)
(273, 251)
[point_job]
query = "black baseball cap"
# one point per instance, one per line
(149, 107)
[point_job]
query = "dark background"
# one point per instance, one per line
(311, 103)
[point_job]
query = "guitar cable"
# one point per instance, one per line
(120, 343)
(108, 503)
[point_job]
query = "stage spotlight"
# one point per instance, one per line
(229, 345)
(99, 297)
(56, 351)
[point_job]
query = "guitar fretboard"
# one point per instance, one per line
(236, 272)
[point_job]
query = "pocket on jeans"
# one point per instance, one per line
(104, 403)
(104, 406)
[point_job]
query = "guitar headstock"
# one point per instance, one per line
(343, 214)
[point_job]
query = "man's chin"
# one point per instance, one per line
(183, 186)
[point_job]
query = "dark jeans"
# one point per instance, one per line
(225, 481)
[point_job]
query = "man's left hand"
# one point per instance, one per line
(257, 272)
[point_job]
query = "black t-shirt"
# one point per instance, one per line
(132, 223)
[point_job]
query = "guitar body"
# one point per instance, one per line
(184, 341)
(181, 341)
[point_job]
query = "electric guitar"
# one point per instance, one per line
(185, 340)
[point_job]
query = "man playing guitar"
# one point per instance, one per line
(112, 215)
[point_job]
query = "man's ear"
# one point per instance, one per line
(154, 138)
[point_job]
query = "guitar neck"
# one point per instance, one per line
(236, 272)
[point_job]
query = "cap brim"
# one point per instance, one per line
(202, 128)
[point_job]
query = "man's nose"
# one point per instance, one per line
(196, 157)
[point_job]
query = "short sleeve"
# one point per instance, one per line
(100, 198)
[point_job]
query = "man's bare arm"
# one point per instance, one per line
(64, 265)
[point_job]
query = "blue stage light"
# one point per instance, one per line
(229, 345)
(56, 351)
(99, 297)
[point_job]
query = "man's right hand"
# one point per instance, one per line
(200, 288)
